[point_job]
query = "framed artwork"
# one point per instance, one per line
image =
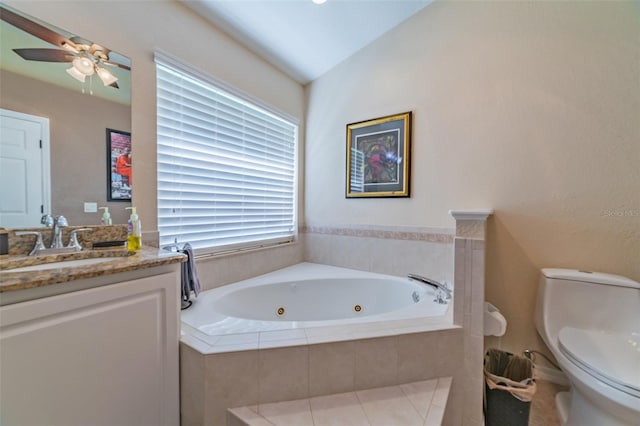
(119, 179)
(378, 157)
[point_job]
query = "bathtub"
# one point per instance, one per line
(310, 303)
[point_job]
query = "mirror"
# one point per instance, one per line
(42, 68)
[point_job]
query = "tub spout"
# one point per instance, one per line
(430, 281)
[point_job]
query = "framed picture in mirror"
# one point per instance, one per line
(119, 178)
(378, 157)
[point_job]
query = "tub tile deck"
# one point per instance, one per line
(419, 403)
(208, 344)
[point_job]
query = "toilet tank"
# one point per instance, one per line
(584, 299)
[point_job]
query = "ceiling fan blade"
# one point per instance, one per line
(34, 28)
(45, 55)
(115, 64)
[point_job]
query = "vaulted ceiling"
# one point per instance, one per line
(302, 38)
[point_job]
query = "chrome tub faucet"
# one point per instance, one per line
(442, 287)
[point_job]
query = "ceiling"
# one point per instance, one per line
(301, 38)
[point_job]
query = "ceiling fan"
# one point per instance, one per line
(86, 58)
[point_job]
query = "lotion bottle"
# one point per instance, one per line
(106, 216)
(134, 228)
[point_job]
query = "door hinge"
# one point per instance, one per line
(40, 143)
(41, 208)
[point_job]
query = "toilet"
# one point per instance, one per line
(591, 323)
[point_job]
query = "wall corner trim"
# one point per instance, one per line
(479, 214)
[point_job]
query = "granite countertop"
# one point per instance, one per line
(125, 261)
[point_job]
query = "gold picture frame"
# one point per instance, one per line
(378, 157)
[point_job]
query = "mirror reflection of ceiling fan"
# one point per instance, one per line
(86, 58)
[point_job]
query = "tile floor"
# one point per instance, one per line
(543, 407)
(419, 403)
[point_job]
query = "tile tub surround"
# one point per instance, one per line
(212, 383)
(426, 251)
(291, 363)
(263, 376)
(388, 250)
(382, 249)
(420, 403)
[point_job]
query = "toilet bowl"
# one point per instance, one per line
(591, 324)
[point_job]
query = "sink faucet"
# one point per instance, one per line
(59, 222)
(39, 248)
(438, 285)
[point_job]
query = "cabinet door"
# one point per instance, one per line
(103, 356)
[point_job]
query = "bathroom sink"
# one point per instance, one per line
(63, 264)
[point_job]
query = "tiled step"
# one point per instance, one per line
(419, 403)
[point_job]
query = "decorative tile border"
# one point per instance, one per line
(444, 236)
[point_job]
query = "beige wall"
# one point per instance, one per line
(136, 29)
(77, 132)
(529, 108)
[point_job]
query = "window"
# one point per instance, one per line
(226, 164)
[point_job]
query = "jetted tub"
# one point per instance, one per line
(306, 303)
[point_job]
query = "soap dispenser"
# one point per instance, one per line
(134, 228)
(106, 217)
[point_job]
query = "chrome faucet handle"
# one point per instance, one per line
(61, 221)
(448, 291)
(38, 245)
(47, 220)
(439, 293)
(73, 238)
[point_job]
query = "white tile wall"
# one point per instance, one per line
(396, 252)
(469, 279)
(220, 270)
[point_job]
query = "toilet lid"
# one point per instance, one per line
(613, 357)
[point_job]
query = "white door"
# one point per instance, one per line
(25, 183)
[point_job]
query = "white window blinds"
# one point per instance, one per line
(226, 166)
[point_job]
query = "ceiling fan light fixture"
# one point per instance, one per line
(73, 72)
(319, 1)
(106, 77)
(69, 47)
(83, 65)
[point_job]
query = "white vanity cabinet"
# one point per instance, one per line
(106, 355)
